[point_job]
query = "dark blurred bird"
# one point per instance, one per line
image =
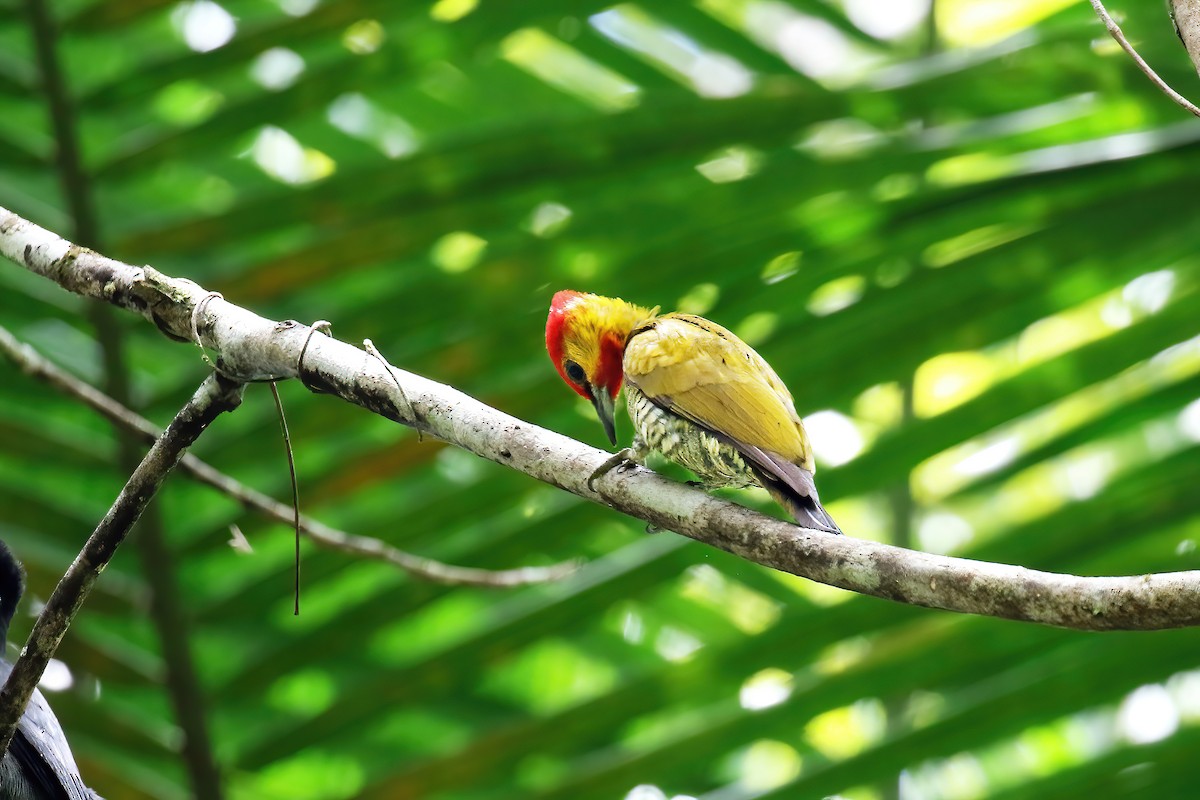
(38, 764)
(696, 393)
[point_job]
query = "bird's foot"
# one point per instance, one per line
(622, 460)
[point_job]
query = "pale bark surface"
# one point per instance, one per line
(1187, 23)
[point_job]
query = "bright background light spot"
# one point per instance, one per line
(187, 102)
(807, 43)
(782, 266)
(840, 139)
(676, 645)
(942, 532)
(719, 75)
(633, 627)
(767, 764)
(1185, 691)
(834, 436)
(278, 154)
(558, 64)
(757, 327)
(459, 466)
(970, 168)
(1084, 475)
(845, 732)
(363, 37)
(549, 219)
(1116, 313)
(452, 10)
(298, 8)
(700, 299)
(950, 379)
(989, 458)
(709, 73)
(836, 295)
(973, 242)
(764, 689)
(458, 251)
(889, 19)
(732, 164)
(351, 113)
(881, 405)
(309, 691)
(961, 777)
(1147, 715)
(357, 116)
(813, 46)
(749, 610)
(57, 677)
(1189, 421)
(277, 68)
(204, 25)
(1150, 292)
(979, 22)
(1069, 329)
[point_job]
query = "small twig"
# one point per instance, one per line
(1115, 31)
(197, 315)
(409, 412)
(34, 364)
(214, 396)
(320, 326)
(291, 462)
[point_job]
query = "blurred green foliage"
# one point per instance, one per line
(972, 257)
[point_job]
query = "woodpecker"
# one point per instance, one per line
(696, 393)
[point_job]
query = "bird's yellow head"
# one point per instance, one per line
(585, 336)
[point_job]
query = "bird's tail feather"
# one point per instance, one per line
(807, 511)
(792, 487)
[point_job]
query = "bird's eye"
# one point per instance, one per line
(576, 373)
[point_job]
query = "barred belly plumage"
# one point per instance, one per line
(716, 463)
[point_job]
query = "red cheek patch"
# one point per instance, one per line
(611, 371)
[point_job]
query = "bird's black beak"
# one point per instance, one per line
(603, 402)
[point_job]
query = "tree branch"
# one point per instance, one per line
(1115, 31)
(253, 347)
(214, 396)
(35, 365)
(1185, 14)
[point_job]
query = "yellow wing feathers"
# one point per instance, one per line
(704, 373)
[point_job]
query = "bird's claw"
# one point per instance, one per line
(621, 460)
